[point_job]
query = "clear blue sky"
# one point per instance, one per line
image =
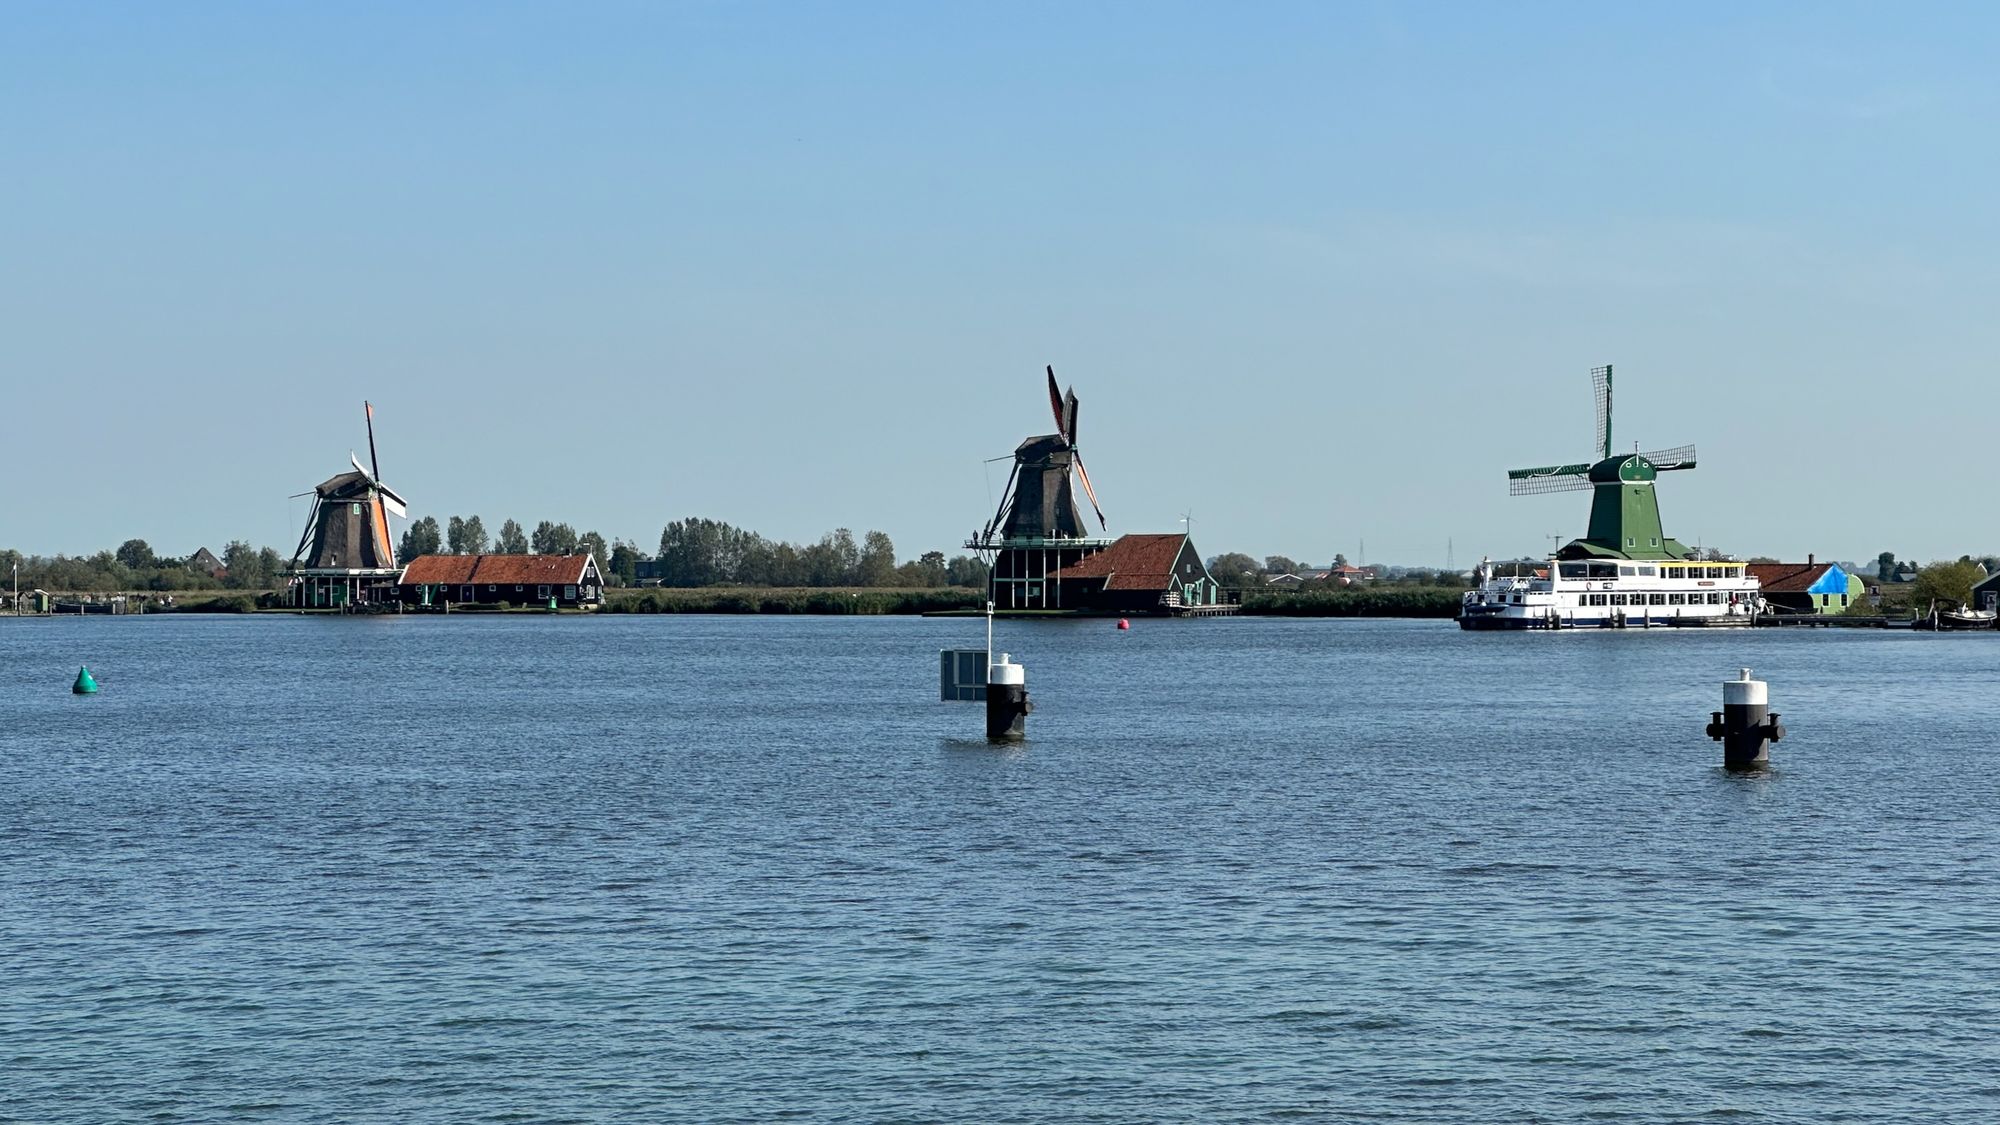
(1319, 272)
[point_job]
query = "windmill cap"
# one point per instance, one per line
(1626, 467)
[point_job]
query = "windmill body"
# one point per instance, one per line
(1624, 572)
(347, 559)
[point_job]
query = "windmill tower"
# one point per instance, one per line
(347, 558)
(1624, 510)
(1038, 529)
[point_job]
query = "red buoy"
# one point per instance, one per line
(1124, 624)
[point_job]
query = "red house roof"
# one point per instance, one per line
(1134, 562)
(497, 570)
(1787, 578)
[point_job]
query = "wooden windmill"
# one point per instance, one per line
(1624, 509)
(1038, 528)
(347, 556)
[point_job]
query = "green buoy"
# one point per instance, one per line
(86, 684)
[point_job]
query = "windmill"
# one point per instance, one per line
(1039, 502)
(1038, 528)
(1624, 510)
(346, 552)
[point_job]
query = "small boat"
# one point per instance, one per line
(1955, 620)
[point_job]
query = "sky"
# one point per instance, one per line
(1319, 273)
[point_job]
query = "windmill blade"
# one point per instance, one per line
(1069, 416)
(356, 462)
(374, 461)
(1600, 386)
(395, 504)
(1667, 460)
(1548, 478)
(1055, 399)
(1083, 475)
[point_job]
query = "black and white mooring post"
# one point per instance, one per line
(1007, 704)
(968, 675)
(1746, 726)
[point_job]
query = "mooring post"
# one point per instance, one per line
(1007, 703)
(1745, 726)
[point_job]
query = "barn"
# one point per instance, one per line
(440, 581)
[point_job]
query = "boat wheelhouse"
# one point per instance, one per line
(1613, 594)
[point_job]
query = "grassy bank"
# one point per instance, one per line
(1392, 601)
(812, 600)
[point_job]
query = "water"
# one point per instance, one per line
(732, 869)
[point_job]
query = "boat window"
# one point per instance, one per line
(1676, 599)
(1603, 570)
(1715, 598)
(1656, 599)
(1627, 571)
(1648, 571)
(1715, 572)
(1617, 599)
(1573, 570)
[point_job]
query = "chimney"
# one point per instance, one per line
(1809, 558)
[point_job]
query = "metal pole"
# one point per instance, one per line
(989, 632)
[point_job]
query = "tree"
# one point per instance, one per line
(1234, 569)
(248, 568)
(592, 544)
(554, 539)
(624, 562)
(1339, 561)
(420, 538)
(929, 570)
(512, 541)
(1949, 584)
(876, 565)
(475, 536)
(272, 565)
(1279, 564)
(1885, 566)
(454, 535)
(964, 570)
(135, 554)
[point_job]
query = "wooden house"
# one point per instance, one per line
(1160, 573)
(205, 562)
(1807, 587)
(439, 581)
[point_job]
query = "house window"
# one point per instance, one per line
(465, 593)
(541, 591)
(1843, 599)
(569, 592)
(490, 588)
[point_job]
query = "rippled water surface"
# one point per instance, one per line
(732, 869)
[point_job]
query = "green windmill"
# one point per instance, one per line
(1624, 511)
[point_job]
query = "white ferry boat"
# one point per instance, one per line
(1612, 594)
(1624, 572)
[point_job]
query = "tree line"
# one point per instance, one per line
(704, 552)
(134, 566)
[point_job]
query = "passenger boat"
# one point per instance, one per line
(1612, 594)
